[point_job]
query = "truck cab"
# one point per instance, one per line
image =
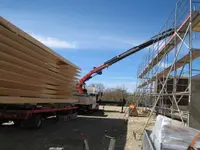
(90, 100)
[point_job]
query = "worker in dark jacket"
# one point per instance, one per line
(123, 104)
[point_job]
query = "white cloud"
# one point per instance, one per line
(54, 42)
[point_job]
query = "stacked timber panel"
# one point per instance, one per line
(30, 72)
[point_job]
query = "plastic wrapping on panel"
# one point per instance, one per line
(169, 134)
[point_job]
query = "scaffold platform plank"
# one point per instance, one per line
(180, 63)
(170, 43)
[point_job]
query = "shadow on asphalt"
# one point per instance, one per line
(99, 113)
(65, 134)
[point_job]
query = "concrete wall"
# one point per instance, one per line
(194, 106)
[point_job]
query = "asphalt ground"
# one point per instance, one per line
(67, 134)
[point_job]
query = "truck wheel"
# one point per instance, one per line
(37, 121)
(34, 122)
(74, 116)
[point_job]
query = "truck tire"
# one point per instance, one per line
(34, 122)
(74, 116)
(37, 121)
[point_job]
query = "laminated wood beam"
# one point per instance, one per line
(30, 72)
(17, 61)
(7, 75)
(18, 54)
(20, 41)
(27, 58)
(12, 40)
(19, 92)
(22, 100)
(35, 87)
(66, 66)
(19, 85)
(11, 43)
(33, 41)
(25, 93)
(10, 76)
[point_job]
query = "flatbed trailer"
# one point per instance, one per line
(31, 116)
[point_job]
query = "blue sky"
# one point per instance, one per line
(89, 32)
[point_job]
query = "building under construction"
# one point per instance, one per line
(168, 79)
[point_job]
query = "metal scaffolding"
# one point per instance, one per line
(164, 78)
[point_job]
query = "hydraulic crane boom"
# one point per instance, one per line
(98, 70)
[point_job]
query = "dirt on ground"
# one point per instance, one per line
(69, 134)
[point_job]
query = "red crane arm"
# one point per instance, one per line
(96, 70)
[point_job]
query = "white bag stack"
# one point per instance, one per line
(169, 134)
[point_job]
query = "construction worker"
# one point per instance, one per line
(123, 104)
